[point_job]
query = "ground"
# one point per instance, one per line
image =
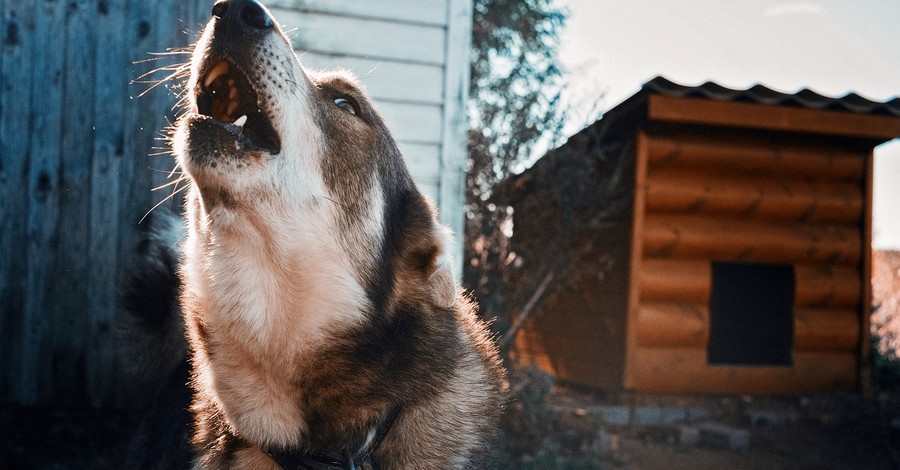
(554, 426)
(58, 439)
(829, 431)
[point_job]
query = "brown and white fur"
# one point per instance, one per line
(317, 291)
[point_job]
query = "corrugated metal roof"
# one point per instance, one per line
(761, 94)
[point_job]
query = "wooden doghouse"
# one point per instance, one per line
(712, 240)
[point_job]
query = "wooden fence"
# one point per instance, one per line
(74, 182)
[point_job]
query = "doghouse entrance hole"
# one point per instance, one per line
(751, 314)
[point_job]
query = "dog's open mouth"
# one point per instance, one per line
(226, 95)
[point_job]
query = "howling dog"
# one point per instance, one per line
(325, 327)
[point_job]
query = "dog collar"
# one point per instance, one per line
(292, 459)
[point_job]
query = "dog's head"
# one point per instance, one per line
(258, 121)
(274, 150)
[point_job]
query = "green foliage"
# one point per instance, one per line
(515, 88)
(514, 108)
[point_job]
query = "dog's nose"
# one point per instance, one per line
(247, 15)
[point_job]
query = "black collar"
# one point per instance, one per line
(292, 459)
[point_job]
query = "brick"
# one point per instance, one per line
(689, 436)
(695, 415)
(615, 415)
(656, 416)
(771, 418)
(722, 436)
(606, 443)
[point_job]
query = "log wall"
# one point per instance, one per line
(711, 196)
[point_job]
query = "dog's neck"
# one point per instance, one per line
(287, 285)
(347, 459)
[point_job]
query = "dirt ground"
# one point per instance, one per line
(831, 431)
(821, 431)
(55, 439)
(853, 435)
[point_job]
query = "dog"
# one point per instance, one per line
(325, 327)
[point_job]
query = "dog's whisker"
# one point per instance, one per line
(157, 170)
(173, 52)
(167, 198)
(372, 70)
(149, 59)
(177, 169)
(170, 183)
(158, 83)
(170, 67)
(182, 102)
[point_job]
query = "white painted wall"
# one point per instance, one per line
(413, 58)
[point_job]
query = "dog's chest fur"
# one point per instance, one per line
(265, 302)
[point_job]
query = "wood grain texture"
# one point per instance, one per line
(769, 117)
(737, 239)
(642, 159)
(387, 80)
(43, 186)
(454, 125)
(726, 196)
(690, 281)
(71, 235)
(16, 75)
(367, 38)
(429, 12)
(685, 370)
(744, 155)
(774, 198)
(101, 367)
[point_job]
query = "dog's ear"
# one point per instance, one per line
(441, 281)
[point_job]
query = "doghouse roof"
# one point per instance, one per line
(662, 101)
(761, 94)
(759, 107)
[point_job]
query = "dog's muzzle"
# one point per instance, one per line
(224, 90)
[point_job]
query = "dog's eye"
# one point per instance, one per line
(346, 104)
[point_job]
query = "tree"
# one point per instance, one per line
(515, 113)
(515, 88)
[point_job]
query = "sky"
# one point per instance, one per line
(833, 47)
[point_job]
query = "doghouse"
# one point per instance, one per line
(704, 240)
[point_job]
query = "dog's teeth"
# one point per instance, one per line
(232, 107)
(241, 121)
(220, 69)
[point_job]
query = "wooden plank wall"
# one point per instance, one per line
(75, 179)
(75, 135)
(713, 196)
(412, 56)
